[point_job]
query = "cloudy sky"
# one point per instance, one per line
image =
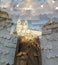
(39, 11)
(30, 8)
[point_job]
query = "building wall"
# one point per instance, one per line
(49, 44)
(7, 43)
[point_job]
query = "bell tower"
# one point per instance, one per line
(19, 26)
(25, 24)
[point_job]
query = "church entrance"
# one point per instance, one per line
(28, 52)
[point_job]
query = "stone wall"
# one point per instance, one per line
(7, 43)
(49, 44)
